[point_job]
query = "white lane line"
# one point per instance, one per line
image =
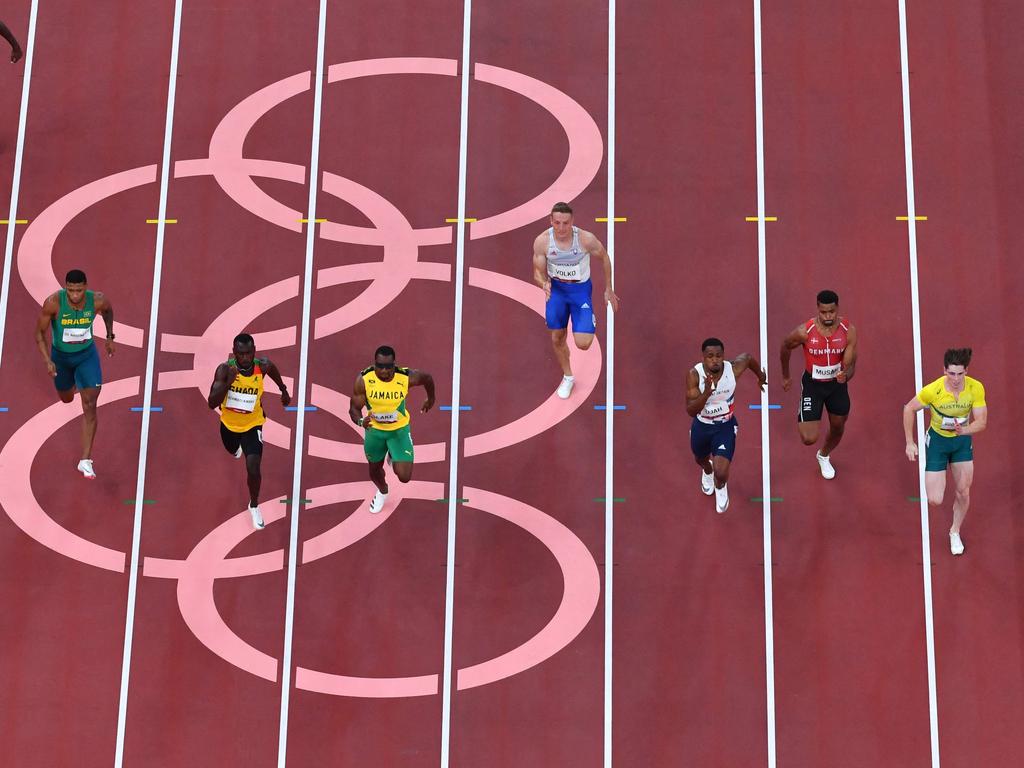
(609, 395)
(19, 153)
(300, 387)
(926, 556)
(147, 392)
(766, 484)
(453, 441)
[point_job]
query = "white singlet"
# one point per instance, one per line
(573, 264)
(719, 406)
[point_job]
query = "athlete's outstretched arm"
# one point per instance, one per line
(597, 251)
(16, 52)
(745, 361)
(425, 380)
(103, 306)
(849, 356)
(791, 342)
(222, 379)
(540, 265)
(912, 407)
(697, 398)
(275, 376)
(356, 404)
(50, 309)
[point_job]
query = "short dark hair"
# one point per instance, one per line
(828, 297)
(384, 351)
(960, 356)
(243, 339)
(75, 276)
(561, 208)
(711, 341)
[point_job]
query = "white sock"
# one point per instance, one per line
(568, 378)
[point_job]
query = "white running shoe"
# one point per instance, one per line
(565, 388)
(707, 482)
(238, 452)
(85, 467)
(257, 518)
(956, 544)
(722, 499)
(377, 504)
(825, 465)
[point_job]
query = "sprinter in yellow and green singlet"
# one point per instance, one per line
(384, 388)
(71, 357)
(238, 390)
(959, 410)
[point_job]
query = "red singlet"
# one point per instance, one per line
(823, 355)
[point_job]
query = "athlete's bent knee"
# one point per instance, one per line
(935, 500)
(583, 343)
(809, 439)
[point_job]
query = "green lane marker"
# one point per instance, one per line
(459, 501)
(913, 498)
(602, 498)
(301, 501)
(144, 501)
(772, 499)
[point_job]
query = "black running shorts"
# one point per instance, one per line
(251, 441)
(815, 395)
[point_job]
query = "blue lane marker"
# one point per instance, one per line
(4, 409)
(295, 408)
(142, 408)
(461, 407)
(757, 407)
(605, 407)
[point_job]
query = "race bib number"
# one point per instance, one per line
(240, 402)
(715, 410)
(387, 417)
(825, 372)
(77, 335)
(950, 422)
(566, 271)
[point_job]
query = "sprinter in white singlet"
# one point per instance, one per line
(710, 400)
(561, 266)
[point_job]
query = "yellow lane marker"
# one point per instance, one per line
(616, 218)
(315, 221)
(157, 221)
(456, 221)
(766, 218)
(907, 218)
(16, 221)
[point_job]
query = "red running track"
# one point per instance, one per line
(851, 686)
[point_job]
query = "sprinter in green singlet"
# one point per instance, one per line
(71, 357)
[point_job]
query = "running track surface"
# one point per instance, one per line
(850, 676)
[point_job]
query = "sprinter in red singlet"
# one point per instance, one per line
(830, 357)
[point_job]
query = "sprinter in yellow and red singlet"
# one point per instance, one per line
(830, 358)
(384, 388)
(238, 391)
(959, 410)
(71, 357)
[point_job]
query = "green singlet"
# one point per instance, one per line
(72, 328)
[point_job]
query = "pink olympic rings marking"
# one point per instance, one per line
(234, 173)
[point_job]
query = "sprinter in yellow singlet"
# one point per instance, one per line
(959, 410)
(238, 390)
(384, 387)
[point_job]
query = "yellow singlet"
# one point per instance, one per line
(386, 399)
(242, 408)
(947, 409)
